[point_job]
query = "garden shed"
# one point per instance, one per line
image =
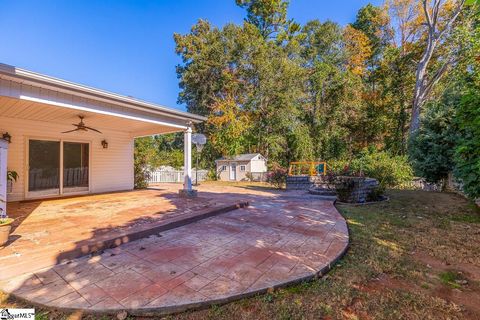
(250, 166)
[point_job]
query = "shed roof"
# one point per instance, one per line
(240, 157)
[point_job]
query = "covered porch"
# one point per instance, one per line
(39, 115)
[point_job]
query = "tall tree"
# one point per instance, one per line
(440, 19)
(269, 16)
(432, 148)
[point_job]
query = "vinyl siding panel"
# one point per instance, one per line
(258, 166)
(110, 169)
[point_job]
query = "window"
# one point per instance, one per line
(242, 168)
(223, 168)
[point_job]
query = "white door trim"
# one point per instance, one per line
(45, 194)
(233, 171)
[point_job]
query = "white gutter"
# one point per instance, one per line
(96, 94)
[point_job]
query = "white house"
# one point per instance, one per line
(69, 139)
(242, 167)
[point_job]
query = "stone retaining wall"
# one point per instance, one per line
(303, 182)
(361, 189)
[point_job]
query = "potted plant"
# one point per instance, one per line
(12, 176)
(5, 221)
(5, 227)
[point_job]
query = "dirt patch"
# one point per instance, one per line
(470, 271)
(465, 293)
(466, 296)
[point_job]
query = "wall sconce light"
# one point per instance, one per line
(7, 137)
(104, 144)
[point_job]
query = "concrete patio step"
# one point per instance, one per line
(15, 263)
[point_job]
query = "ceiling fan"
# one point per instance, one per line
(81, 126)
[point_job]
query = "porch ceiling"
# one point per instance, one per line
(30, 110)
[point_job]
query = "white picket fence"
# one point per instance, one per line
(175, 176)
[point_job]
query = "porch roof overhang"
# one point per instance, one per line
(28, 95)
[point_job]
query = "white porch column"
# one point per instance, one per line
(3, 175)
(187, 160)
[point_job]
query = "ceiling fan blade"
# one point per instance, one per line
(89, 128)
(71, 130)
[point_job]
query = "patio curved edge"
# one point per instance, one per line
(206, 304)
(342, 242)
(169, 310)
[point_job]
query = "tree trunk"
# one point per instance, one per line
(424, 83)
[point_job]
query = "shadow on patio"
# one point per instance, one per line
(43, 230)
(237, 253)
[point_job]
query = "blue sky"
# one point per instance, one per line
(125, 47)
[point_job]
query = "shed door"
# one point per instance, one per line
(233, 171)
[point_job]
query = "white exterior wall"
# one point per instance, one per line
(258, 165)
(110, 169)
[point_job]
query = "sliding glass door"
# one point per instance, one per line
(75, 167)
(43, 168)
(57, 167)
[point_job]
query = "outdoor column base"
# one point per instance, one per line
(187, 193)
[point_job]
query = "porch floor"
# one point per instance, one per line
(48, 232)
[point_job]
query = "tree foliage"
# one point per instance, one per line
(433, 146)
(468, 149)
(269, 16)
(322, 91)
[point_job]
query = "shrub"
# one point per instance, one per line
(141, 177)
(390, 171)
(277, 176)
(142, 154)
(376, 194)
(338, 167)
(467, 154)
(212, 175)
(432, 148)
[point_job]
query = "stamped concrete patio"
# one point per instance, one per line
(50, 231)
(282, 237)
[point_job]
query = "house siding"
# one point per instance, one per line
(110, 169)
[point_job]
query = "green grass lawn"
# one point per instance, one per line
(413, 257)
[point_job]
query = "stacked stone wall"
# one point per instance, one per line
(303, 182)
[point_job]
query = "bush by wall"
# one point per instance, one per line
(277, 176)
(390, 171)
